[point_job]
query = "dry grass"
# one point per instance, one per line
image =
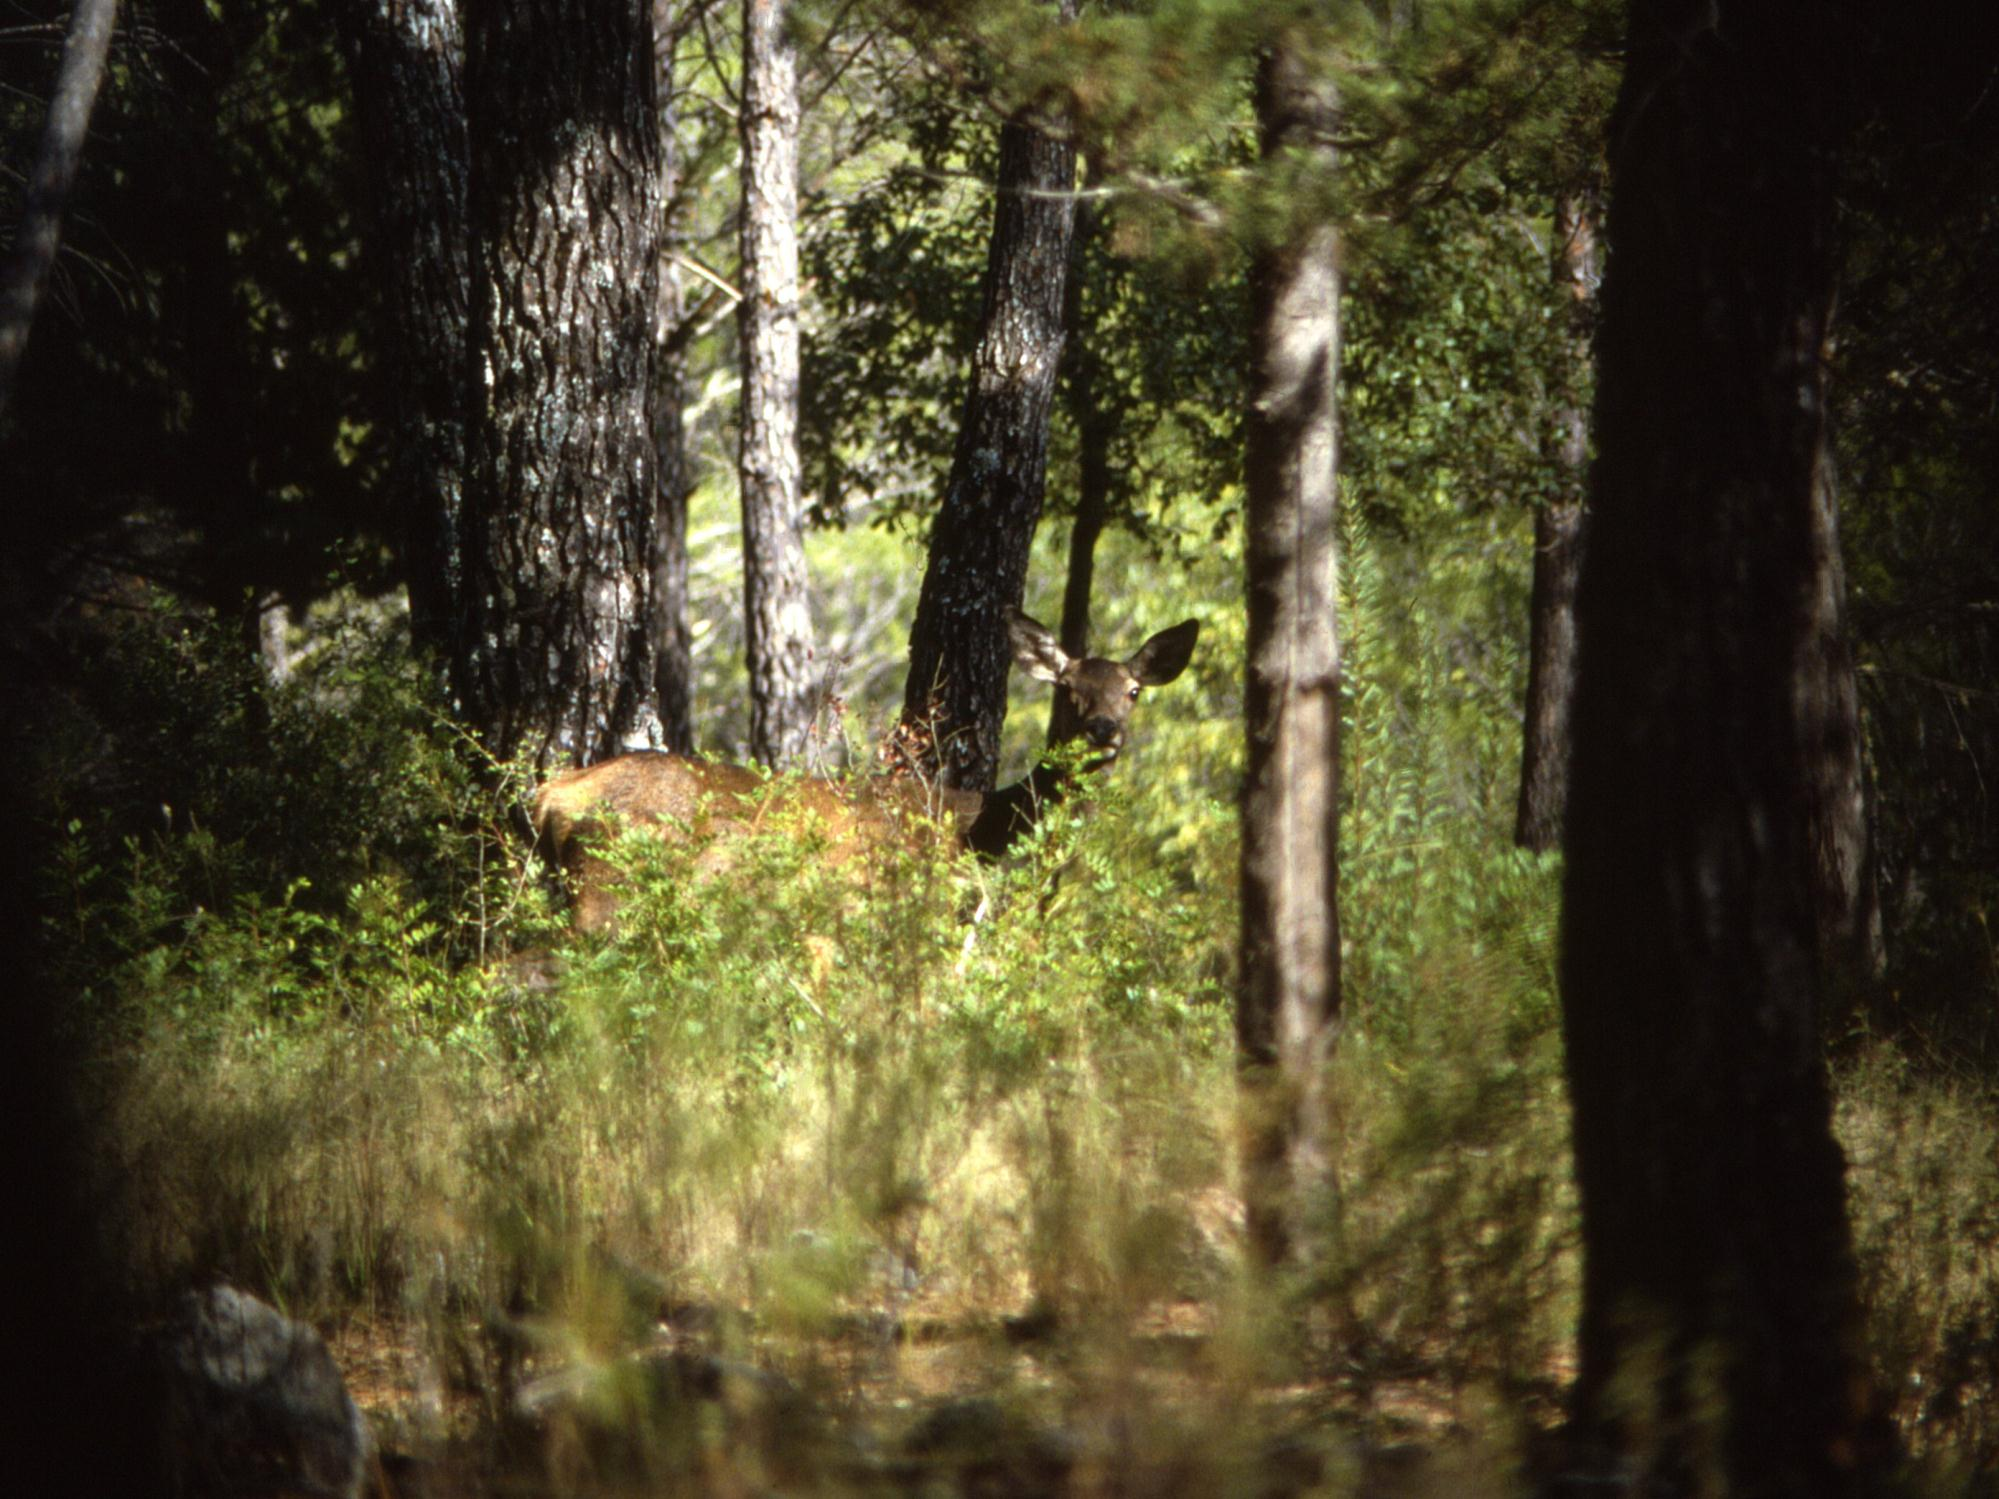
(1923, 1153)
(870, 1211)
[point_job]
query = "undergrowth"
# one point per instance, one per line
(903, 1133)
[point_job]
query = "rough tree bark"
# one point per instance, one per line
(1288, 1004)
(409, 63)
(24, 273)
(954, 700)
(565, 215)
(672, 645)
(1719, 1304)
(775, 608)
(1558, 545)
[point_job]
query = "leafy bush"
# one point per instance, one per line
(224, 847)
(822, 1100)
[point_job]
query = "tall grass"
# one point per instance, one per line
(1923, 1161)
(806, 1149)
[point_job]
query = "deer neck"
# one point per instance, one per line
(1012, 812)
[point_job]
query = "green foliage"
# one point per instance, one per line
(820, 945)
(190, 403)
(818, 1098)
(811, 1095)
(1463, 100)
(899, 271)
(1454, 369)
(227, 850)
(1431, 762)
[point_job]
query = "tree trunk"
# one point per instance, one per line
(217, 477)
(672, 645)
(1719, 1305)
(565, 214)
(1852, 950)
(776, 614)
(1095, 426)
(409, 63)
(1558, 544)
(954, 701)
(24, 273)
(1287, 1009)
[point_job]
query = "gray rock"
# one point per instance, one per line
(253, 1406)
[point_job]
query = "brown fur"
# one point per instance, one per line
(706, 801)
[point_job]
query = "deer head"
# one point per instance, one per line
(1098, 695)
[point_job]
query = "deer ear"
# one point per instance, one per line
(1165, 655)
(1036, 651)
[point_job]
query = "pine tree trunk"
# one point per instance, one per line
(1558, 545)
(954, 701)
(775, 607)
(1851, 945)
(1719, 1303)
(672, 644)
(1095, 426)
(217, 478)
(24, 270)
(1287, 1009)
(409, 63)
(565, 214)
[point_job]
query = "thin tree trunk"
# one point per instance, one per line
(565, 213)
(24, 273)
(217, 477)
(1287, 1010)
(1558, 546)
(954, 700)
(1720, 1313)
(775, 607)
(672, 644)
(409, 69)
(1095, 427)
(1852, 949)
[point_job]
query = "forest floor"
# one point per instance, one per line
(931, 1402)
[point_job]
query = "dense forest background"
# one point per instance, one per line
(337, 389)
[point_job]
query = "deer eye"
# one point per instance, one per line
(1133, 694)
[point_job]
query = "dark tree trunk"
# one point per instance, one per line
(1852, 949)
(954, 701)
(565, 215)
(1558, 544)
(24, 272)
(1287, 1010)
(409, 61)
(1719, 1305)
(776, 614)
(217, 478)
(1095, 426)
(672, 645)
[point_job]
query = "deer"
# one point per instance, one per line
(708, 802)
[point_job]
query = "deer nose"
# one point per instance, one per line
(1104, 732)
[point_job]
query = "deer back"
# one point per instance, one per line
(712, 806)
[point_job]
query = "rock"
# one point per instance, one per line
(663, 1418)
(253, 1406)
(982, 1449)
